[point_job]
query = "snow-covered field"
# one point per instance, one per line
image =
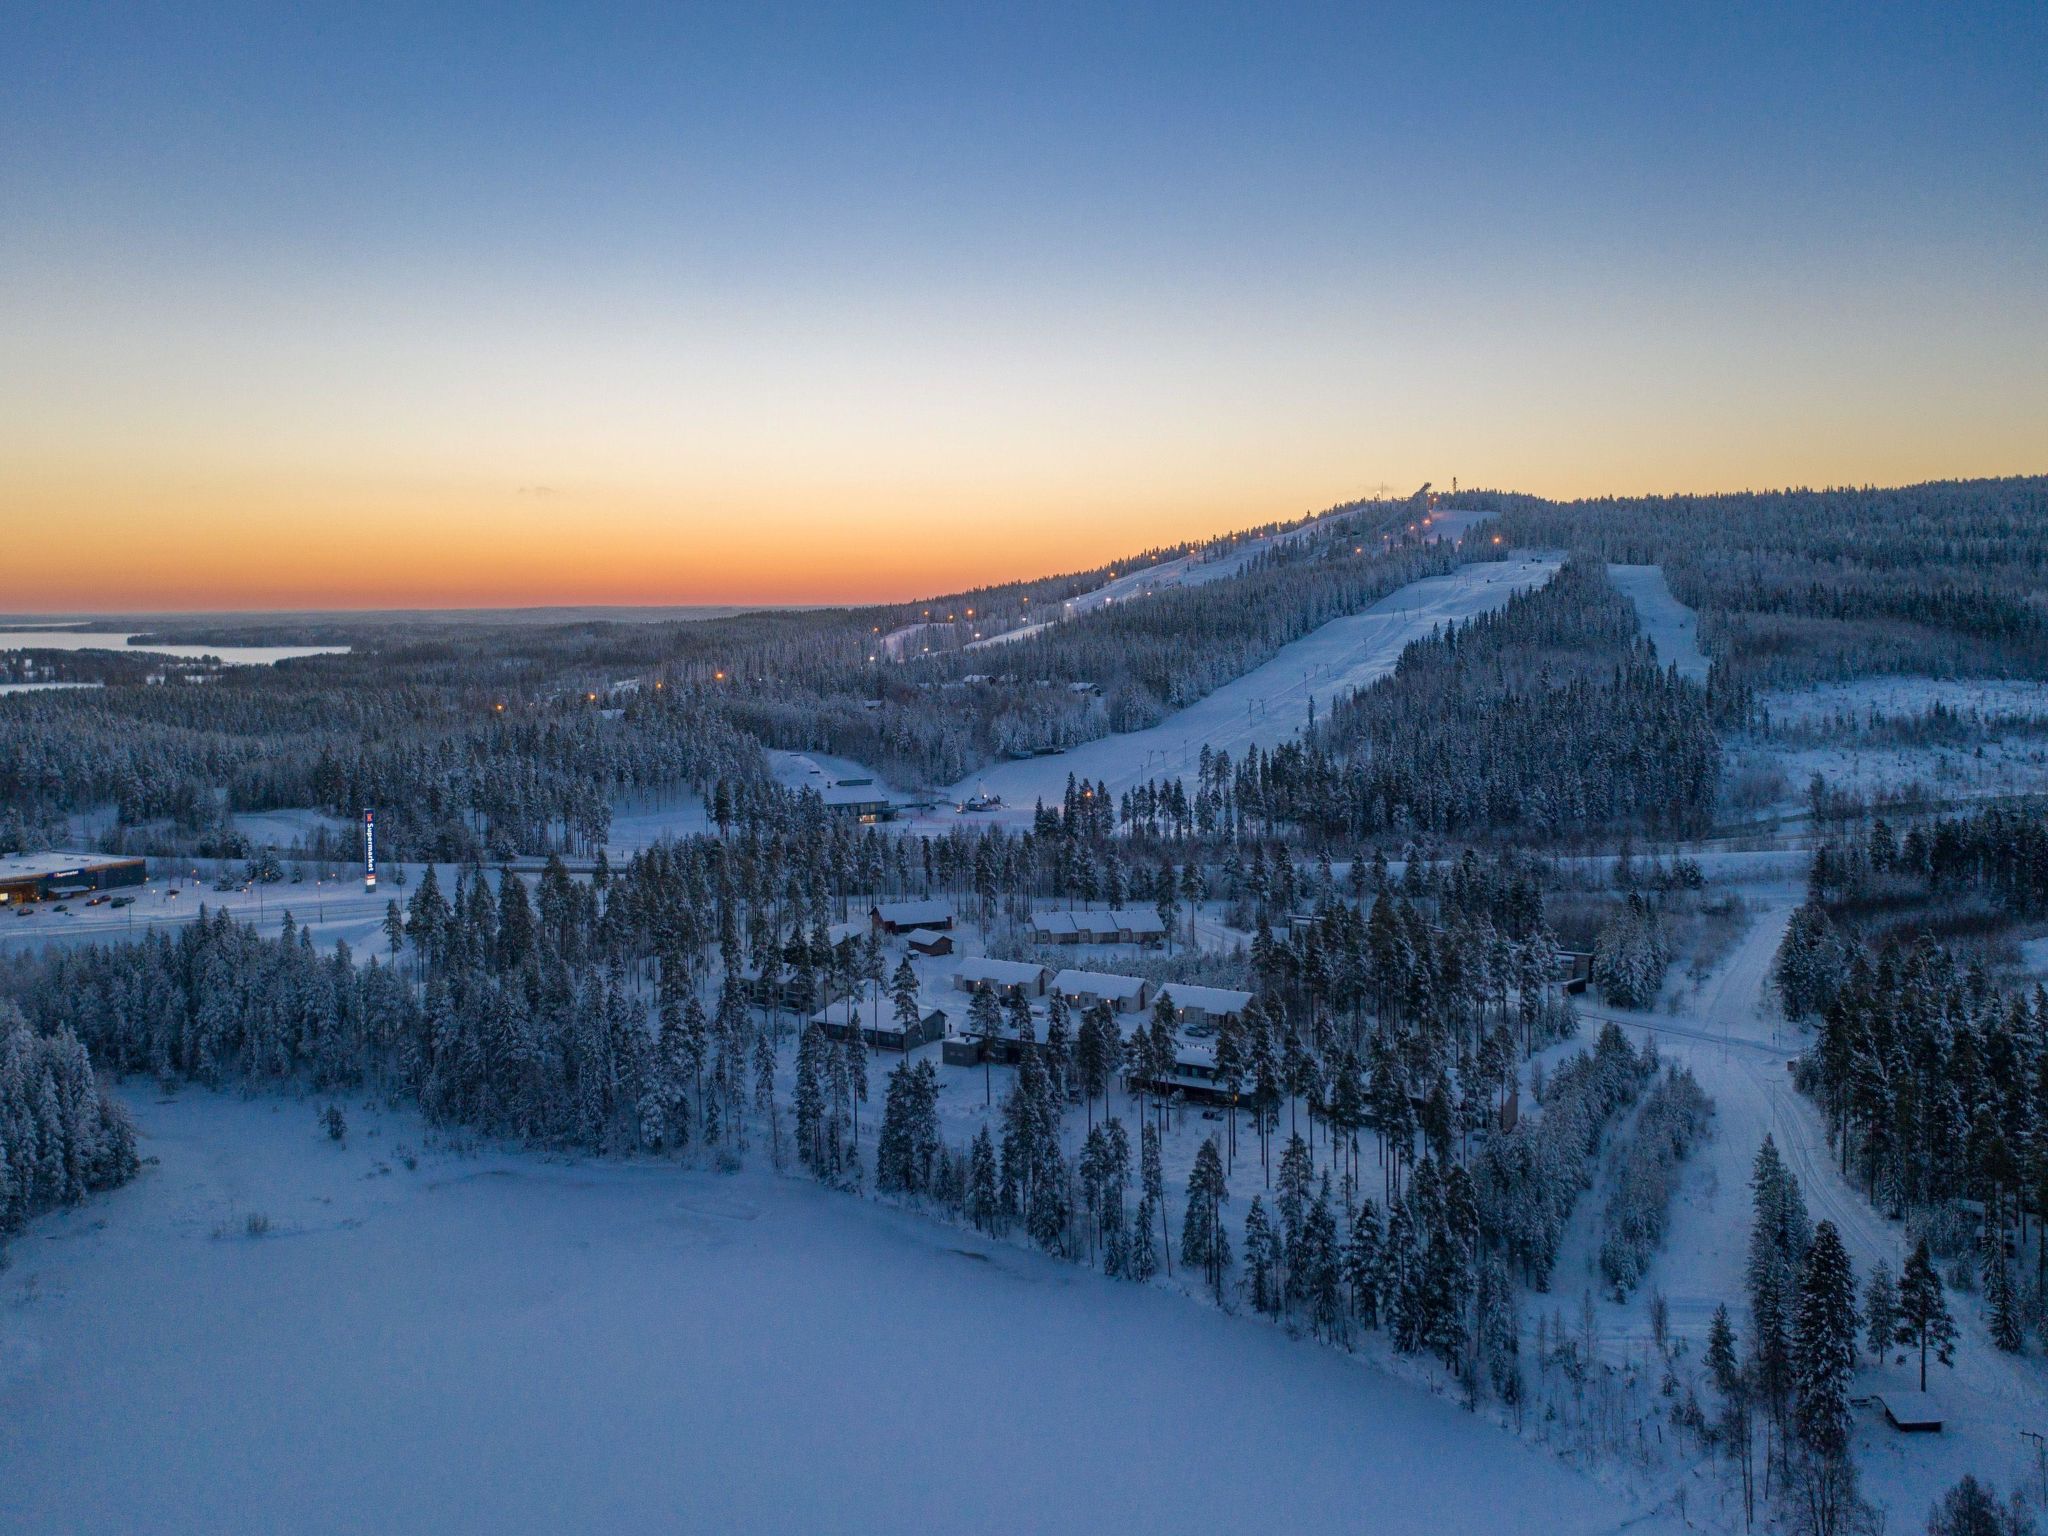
(1826, 730)
(1267, 705)
(498, 1343)
(1855, 702)
(281, 829)
(1666, 622)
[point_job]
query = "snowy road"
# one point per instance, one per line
(1731, 1036)
(1266, 706)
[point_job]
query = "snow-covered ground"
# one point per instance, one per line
(1904, 697)
(2006, 765)
(1228, 558)
(337, 908)
(281, 829)
(1265, 706)
(1826, 730)
(1733, 1038)
(641, 821)
(500, 1343)
(1666, 622)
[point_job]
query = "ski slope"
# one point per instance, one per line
(1266, 706)
(1227, 558)
(502, 1344)
(1666, 622)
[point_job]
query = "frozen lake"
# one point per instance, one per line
(91, 640)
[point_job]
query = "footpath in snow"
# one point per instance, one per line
(1269, 704)
(499, 1344)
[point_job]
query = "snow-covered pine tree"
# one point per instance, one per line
(1824, 1344)
(1924, 1319)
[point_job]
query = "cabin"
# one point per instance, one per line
(786, 995)
(1006, 978)
(1084, 989)
(1193, 1077)
(1055, 928)
(1138, 925)
(929, 941)
(1911, 1413)
(1574, 969)
(839, 935)
(894, 917)
(883, 1033)
(1205, 1007)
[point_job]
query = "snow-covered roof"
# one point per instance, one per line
(927, 936)
(1207, 999)
(1001, 973)
(852, 794)
(34, 866)
(1091, 923)
(1098, 984)
(913, 914)
(839, 933)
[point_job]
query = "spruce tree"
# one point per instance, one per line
(2006, 1332)
(1261, 1258)
(1880, 1311)
(984, 1194)
(1824, 1344)
(1924, 1319)
(1362, 1263)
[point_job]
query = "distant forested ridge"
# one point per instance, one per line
(1947, 578)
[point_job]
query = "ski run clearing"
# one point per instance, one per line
(1267, 705)
(498, 1343)
(1666, 622)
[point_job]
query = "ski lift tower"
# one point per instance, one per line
(369, 850)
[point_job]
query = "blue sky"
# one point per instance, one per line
(1092, 277)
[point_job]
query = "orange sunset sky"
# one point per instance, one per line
(695, 307)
